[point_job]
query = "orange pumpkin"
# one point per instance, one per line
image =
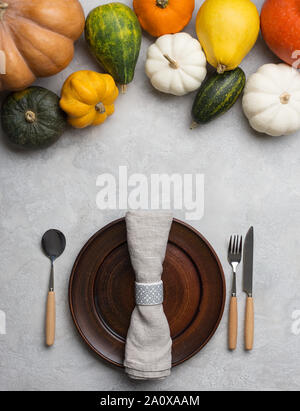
(280, 27)
(159, 17)
(37, 38)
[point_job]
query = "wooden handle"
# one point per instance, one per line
(233, 323)
(249, 324)
(50, 319)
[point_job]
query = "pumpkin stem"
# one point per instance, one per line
(172, 62)
(3, 7)
(194, 125)
(221, 68)
(100, 108)
(285, 98)
(123, 88)
(162, 3)
(30, 116)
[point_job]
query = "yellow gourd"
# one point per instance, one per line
(88, 98)
(227, 31)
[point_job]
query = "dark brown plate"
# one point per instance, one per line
(101, 291)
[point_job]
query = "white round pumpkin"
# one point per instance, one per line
(271, 100)
(176, 64)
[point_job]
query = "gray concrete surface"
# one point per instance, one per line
(250, 179)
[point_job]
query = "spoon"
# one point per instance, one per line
(54, 244)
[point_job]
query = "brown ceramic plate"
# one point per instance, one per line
(101, 291)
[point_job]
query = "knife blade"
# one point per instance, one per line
(248, 263)
(248, 288)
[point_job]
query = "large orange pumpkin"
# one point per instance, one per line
(37, 38)
(280, 26)
(159, 17)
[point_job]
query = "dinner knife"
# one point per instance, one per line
(248, 288)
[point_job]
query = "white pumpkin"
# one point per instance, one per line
(271, 99)
(176, 64)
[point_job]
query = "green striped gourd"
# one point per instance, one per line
(114, 36)
(217, 95)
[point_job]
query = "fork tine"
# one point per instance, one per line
(234, 244)
(230, 245)
(237, 244)
(240, 247)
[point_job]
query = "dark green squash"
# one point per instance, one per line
(217, 94)
(32, 118)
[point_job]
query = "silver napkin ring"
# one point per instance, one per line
(149, 293)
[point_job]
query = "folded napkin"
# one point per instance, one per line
(148, 344)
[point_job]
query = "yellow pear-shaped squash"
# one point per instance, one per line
(227, 31)
(88, 98)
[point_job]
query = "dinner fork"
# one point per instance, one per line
(234, 258)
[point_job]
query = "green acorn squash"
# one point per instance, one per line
(114, 36)
(32, 118)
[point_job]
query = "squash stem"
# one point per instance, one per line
(285, 98)
(100, 108)
(194, 125)
(30, 116)
(3, 7)
(162, 3)
(123, 88)
(172, 62)
(221, 68)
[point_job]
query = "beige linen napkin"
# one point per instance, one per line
(148, 344)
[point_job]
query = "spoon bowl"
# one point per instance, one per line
(53, 243)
